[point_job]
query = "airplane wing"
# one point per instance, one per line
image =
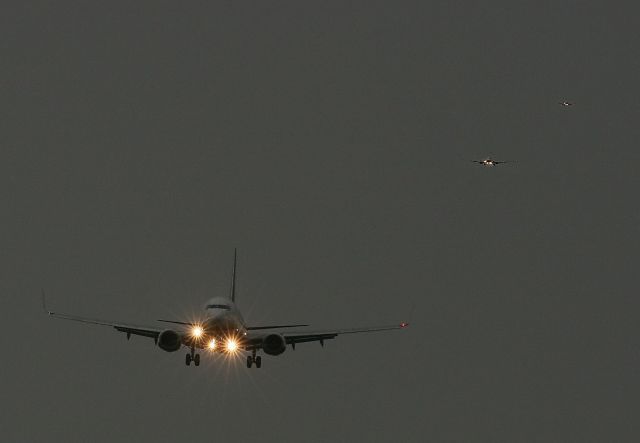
(129, 329)
(292, 338)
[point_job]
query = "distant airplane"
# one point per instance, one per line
(223, 330)
(488, 162)
(566, 103)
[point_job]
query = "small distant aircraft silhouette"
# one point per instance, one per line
(566, 103)
(488, 162)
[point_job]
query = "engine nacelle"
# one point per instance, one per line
(274, 344)
(169, 340)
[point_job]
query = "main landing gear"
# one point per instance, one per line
(192, 357)
(251, 359)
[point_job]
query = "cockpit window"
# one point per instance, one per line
(218, 307)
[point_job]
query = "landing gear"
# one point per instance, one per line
(192, 357)
(251, 359)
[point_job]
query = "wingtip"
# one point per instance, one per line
(404, 324)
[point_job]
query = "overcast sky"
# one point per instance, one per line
(329, 141)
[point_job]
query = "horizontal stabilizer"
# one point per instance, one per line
(178, 322)
(256, 328)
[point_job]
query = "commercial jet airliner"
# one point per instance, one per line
(488, 162)
(223, 330)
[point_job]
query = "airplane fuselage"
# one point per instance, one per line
(222, 319)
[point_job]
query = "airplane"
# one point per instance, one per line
(566, 103)
(223, 330)
(488, 162)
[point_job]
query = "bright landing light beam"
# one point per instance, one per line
(231, 345)
(197, 331)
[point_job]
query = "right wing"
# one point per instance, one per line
(129, 329)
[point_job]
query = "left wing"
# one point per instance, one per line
(292, 338)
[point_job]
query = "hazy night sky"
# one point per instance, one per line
(140, 142)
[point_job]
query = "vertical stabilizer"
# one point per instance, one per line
(233, 276)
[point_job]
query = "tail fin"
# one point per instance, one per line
(233, 276)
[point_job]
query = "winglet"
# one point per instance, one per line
(404, 324)
(44, 304)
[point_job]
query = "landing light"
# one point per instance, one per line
(232, 345)
(212, 344)
(197, 331)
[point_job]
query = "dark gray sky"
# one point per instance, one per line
(142, 141)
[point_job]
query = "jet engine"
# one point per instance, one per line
(169, 340)
(274, 344)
